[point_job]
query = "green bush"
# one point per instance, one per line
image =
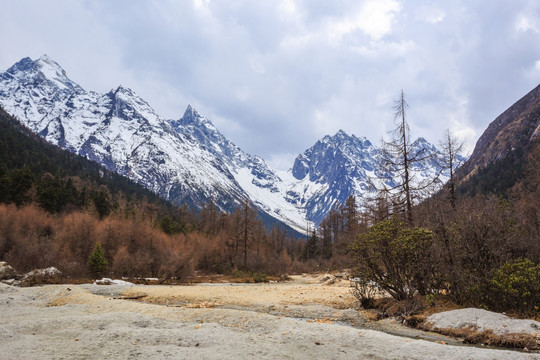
(259, 278)
(516, 286)
(395, 258)
(97, 262)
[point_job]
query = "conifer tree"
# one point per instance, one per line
(97, 262)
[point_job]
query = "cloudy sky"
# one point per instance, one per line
(275, 76)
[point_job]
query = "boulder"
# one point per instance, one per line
(39, 276)
(7, 271)
(481, 320)
(47, 272)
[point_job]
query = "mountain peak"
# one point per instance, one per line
(24, 64)
(123, 90)
(50, 68)
(43, 70)
(45, 57)
(192, 118)
(341, 137)
(421, 142)
(191, 114)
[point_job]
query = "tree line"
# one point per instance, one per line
(474, 241)
(58, 206)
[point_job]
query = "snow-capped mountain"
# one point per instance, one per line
(186, 160)
(342, 165)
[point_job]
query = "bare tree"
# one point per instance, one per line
(398, 158)
(244, 228)
(451, 149)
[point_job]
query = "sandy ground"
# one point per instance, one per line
(301, 319)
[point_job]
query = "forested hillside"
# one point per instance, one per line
(59, 178)
(55, 207)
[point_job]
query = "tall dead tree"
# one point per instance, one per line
(398, 159)
(451, 148)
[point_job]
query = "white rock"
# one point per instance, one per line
(6, 271)
(483, 320)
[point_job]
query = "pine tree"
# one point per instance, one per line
(311, 247)
(97, 262)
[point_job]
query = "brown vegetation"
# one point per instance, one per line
(137, 247)
(472, 335)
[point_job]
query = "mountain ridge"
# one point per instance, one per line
(185, 160)
(514, 129)
(506, 153)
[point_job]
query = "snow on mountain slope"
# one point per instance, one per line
(117, 129)
(186, 160)
(263, 186)
(342, 165)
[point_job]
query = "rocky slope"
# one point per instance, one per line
(515, 130)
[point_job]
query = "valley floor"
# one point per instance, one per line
(299, 319)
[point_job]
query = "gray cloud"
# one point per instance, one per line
(276, 76)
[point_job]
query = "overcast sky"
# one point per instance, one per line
(276, 76)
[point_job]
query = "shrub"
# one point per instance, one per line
(260, 278)
(364, 292)
(395, 258)
(516, 286)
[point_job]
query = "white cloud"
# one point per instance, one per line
(201, 5)
(525, 23)
(275, 76)
(288, 11)
(283, 161)
(374, 19)
(430, 14)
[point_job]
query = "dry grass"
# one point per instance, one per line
(416, 311)
(472, 335)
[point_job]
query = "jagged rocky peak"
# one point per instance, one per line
(192, 118)
(126, 104)
(122, 90)
(125, 93)
(40, 72)
(120, 94)
(26, 64)
(326, 152)
(49, 66)
(340, 135)
(343, 141)
(201, 129)
(422, 143)
(191, 115)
